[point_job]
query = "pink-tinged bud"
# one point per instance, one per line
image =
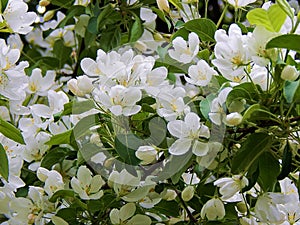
(163, 5)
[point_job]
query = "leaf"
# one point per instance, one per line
(47, 63)
(62, 138)
(286, 162)
(54, 156)
(250, 150)
(106, 201)
(268, 171)
(174, 165)
(10, 131)
(75, 10)
(182, 32)
(61, 194)
(205, 105)
(285, 6)
(62, 3)
(92, 26)
(287, 41)
(250, 110)
(290, 89)
(77, 107)
(204, 28)
(3, 5)
(169, 208)
(272, 19)
(68, 214)
(110, 38)
(4, 169)
(61, 52)
(242, 91)
(85, 124)
(126, 145)
(136, 30)
(137, 194)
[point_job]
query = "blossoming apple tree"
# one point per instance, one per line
(106, 118)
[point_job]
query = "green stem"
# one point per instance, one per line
(222, 15)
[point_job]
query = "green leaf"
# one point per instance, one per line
(85, 124)
(290, 89)
(268, 171)
(285, 6)
(92, 26)
(11, 132)
(174, 165)
(77, 107)
(81, 25)
(287, 41)
(62, 3)
(272, 19)
(243, 91)
(136, 30)
(61, 194)
(106, 201)
(4, 170)
(169, 208)
(62, 52)
(182, 32)
(47, 63)
(286, 162)
(205, 105)
(250, 151)
(75, 10)
(250, 110)
(110, 38)
(204, 28)
(3, 5)
(62, 138)
(126, 145)
(69, 215)
(54, 156)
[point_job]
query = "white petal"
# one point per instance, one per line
(200, 148)
(180, 146)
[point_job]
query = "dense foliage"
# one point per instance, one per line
(149, 112)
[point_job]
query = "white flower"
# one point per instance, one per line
(267, 207)
(231, 53)
(185, 52)
(217, 108)
(188, 133)
(52, 179)
(17, 17)
(289, 73)
(39, 84)
(259, 75)
(200, 74)
(146, 153)
(240, 3)
(121, 100)
(86, 185)
(229, 186)
(257, 46)
(171, 104)
(213, 209)
(233, 119)
(56, 104)
(81, 86)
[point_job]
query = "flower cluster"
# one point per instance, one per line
(106, 120)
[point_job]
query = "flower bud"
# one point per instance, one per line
(42, 174)
(241, 207)
(85, 84)
(146, 153)
(187, 193)
(213, 209)
(44, 3)
(289, 73)
(163, 5)
(73, 87)
(48, 15)
(233, 119)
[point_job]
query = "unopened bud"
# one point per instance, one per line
(233, 119)
(163, 5)
(44, 3)
(187, 193)
(48, 15)
(289, 73)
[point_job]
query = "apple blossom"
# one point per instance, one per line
(188, 133)
(229, 186)
(213, 209)
(146, 153)
(200, 74)
(183, 51)
(240, 3)
(86, 185)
